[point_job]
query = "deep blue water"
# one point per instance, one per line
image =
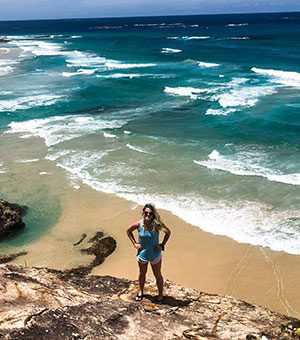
(199, 114)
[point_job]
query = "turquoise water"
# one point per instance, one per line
(198, 114)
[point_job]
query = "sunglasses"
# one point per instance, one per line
(148, 213)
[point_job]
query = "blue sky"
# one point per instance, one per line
(45, 9)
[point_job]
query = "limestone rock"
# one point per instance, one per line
(48, 304)
(10, 218)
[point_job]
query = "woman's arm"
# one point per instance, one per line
(167, 232)
(130, 231)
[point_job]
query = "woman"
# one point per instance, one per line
(149, 248)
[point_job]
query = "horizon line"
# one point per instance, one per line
(150, 16)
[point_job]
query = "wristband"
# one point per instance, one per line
(162, 246)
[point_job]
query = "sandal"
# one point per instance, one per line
(139, 297)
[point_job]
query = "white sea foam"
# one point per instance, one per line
(27, 160)
(24, 103)
(127, 132)
(239, 38)
(146, 25)
(122, 75)
(81, 59)
(53, 156)
(5, 93)
(136, 148)
(280, 77)
(62, 128)
(40, 48)
(243, 165)
(170, 50)
(78, 72)
(6, 66)
(5, 70)
(119, 65)
(219, 112)
(109, 135)
(239, 24)
(204, 65)
(83, 119)
(185, 91)
(19, 37)
(246, 97)
(240, 92)
(45, 173)
(189, 38)
(195, 38)
(2, 171)
(243, 221)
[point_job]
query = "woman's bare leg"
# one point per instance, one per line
(156, 268)
(142, 276)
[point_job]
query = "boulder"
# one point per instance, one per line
(10, 217)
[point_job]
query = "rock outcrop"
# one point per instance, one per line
(48, 304)
(10, 218)
(101, 247)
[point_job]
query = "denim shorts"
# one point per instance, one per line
(155, 261)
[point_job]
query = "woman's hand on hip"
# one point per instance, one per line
(158, 248)
(138, 246)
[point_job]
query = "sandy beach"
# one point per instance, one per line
(192, 258)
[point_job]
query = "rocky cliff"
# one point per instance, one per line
(48, 304)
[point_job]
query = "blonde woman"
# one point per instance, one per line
(148, 247)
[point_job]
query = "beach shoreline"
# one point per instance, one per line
(193, 258)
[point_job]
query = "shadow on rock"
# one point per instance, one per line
(169, 301)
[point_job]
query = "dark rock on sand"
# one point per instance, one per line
(48, 304)
(11, 257)
(83, 236)
(10, 218)
(101, 248)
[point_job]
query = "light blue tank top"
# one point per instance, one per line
(149, 240)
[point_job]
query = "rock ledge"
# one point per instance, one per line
(39, 303)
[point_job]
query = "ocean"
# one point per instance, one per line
(198, 114)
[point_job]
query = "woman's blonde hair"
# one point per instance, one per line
(156, 222)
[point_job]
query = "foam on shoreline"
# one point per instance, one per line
(193, 258)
